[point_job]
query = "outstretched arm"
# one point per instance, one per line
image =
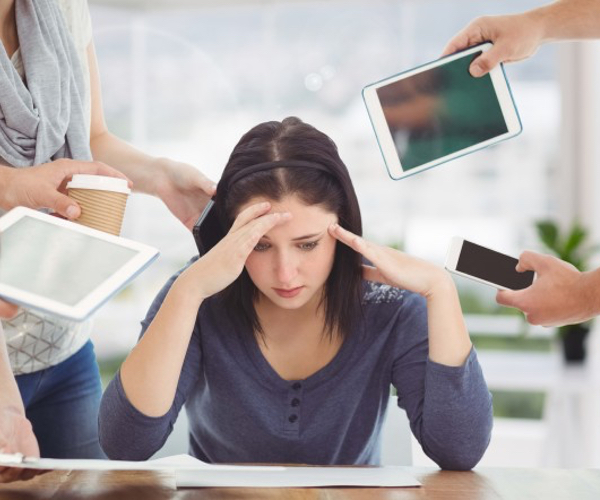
(518, 36)
(182, 187)
(16, 434)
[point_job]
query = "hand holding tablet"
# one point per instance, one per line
(438, 112)
(63, 268)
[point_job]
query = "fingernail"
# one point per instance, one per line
(72, 212)
(476, 69)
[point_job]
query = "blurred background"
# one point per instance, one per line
(185, 79)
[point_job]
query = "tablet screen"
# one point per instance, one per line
(55, 262)
(437, 112)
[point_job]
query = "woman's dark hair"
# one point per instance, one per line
(328, 184)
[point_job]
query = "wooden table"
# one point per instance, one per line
(481, 484)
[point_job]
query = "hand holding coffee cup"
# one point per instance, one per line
(102, 200)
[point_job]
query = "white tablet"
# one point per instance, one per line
(63, 268)
(437, 112)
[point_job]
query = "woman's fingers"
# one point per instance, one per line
(238, 243)
(352, 240)
(379, 256)
(369, 250)
(250, 213)
(390, 266)
(223, 264)
(253, 223)
(252, 232)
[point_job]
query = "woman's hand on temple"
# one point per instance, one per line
(449, 342)
(222, 265)
(393, 267)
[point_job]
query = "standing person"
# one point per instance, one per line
(41, 187)
(51, 114)
(561, 294)
(282, 344)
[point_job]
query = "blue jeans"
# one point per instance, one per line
(61, 402)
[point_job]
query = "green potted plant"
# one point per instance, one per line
(571, 247)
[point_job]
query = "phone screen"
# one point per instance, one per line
(492, 266)
(440, 111)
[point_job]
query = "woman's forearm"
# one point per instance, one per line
(144, 170)
(151, 371)
(10, 397)
(449, 342)
(5, 174)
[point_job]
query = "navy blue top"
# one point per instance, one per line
(241, 410)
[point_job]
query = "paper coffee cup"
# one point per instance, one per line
(102, 200)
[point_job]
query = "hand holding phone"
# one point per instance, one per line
(486, 266)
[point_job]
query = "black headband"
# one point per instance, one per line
(270, 165)
(208, 229)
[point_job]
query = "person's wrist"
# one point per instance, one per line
(442, 286)
(158, 173)
(590, 287)
(6, 188)
(12, 413)
(541, 23)
(188, 288)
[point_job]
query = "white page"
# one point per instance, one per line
(297, 477)
(168, 463)
(191, 472)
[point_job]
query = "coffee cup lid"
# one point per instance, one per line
(99, 182)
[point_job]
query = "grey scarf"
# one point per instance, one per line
(42, 118)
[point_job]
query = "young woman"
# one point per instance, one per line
(283, 344)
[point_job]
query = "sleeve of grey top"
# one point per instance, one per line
(449, 408)
(126, 433)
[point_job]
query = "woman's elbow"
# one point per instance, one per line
(461, 462)
(464, 453)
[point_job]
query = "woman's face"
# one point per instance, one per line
(292, 262)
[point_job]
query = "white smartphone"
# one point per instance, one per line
(486, 266)
(437, 112)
